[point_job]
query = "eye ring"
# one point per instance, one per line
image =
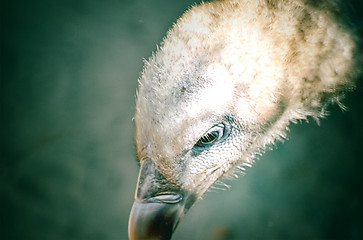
(212, 136)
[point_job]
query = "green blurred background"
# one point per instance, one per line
(68, 168)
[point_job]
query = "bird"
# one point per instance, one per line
(223, 86)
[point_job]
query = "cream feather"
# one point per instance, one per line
(261, 63)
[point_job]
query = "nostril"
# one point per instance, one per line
(171, 198)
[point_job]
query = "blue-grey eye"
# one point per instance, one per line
(213, 135)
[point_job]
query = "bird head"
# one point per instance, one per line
(224, 84)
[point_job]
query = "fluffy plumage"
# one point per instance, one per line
(253, 66)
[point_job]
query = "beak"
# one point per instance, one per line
(159, 205)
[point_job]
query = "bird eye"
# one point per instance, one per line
(213, 135)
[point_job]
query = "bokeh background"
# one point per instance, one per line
(68, 168)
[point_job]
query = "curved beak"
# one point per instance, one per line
(159, 205)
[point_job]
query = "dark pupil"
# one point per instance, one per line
(208, 138)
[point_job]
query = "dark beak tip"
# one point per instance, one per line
(153, 220)
(159, 205)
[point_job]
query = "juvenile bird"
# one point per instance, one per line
(224, 84)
